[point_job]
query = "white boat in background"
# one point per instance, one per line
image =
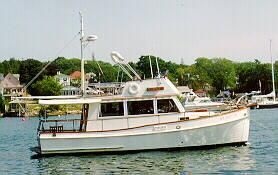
(268, 100)
(203, 103)
(265, 101)
(147, 115)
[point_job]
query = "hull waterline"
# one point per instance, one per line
(267, 106)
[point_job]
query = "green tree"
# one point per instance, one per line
(203, 67)
(105, 72)
(67, 66)
(189, 75)
(250, 73)
(2, 104)
(169, 68)
(28, 69)
(223, 74)
(10, 66)
(46, 87)
(1, 67)
(51, 70)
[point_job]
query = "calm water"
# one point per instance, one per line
(260, 157)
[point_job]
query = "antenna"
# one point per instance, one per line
(118, 74)
(83, 43)
(150, 60)
(93, 56)
(82, 59)
(182, 62)
(158, 71)
(272, 67)
(260, 86)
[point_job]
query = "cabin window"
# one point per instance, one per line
(166, 106)
(112, 109)
(140, 107)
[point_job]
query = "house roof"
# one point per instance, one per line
(75, 75)
(10, 81)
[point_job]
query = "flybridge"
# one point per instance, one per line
(150, 87)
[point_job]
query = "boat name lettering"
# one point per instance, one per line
(155, 88)
(159, 128)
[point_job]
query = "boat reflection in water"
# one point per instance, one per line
(219, 160)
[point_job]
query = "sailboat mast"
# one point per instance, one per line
(82, 59)
(272, 68)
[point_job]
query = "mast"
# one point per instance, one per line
(82, 59)
(272, 68)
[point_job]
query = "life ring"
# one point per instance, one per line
(133, 88)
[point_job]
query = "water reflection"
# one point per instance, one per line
(218, 160)
(260, 157)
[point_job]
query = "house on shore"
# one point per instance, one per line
(63, 79)
(76, 77)
(10, 87)
(66, 82)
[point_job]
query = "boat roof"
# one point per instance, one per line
(49, 97)
(137, 90)
(69, 101)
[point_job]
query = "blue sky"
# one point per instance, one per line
(173, 29)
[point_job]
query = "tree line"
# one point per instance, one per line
(210, 74)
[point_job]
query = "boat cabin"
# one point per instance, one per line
(141, 103)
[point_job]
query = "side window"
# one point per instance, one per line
(140, 107)
(166, 106)
(112, 109)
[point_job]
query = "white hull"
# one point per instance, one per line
(227, 128)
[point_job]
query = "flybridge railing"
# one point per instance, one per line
(112, 88)
(55, 126)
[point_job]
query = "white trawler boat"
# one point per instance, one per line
(146, 115)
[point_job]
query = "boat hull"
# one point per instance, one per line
(267, 106)
(225, 129)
